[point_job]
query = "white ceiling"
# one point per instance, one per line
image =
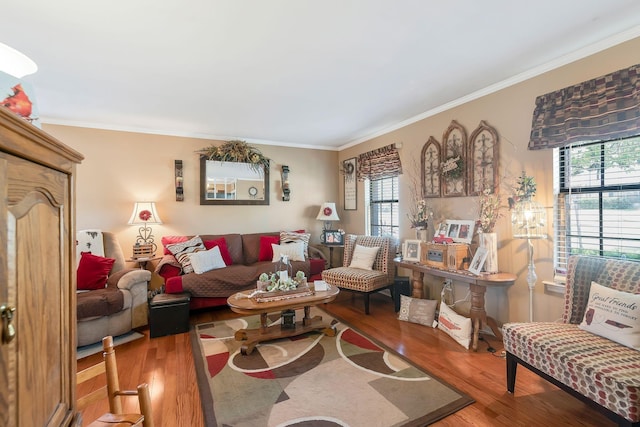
(323, 74)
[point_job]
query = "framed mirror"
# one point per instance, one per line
(233, 183)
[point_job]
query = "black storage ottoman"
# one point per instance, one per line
(169, 314)
(401, 286)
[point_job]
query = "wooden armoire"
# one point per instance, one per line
(37, 276)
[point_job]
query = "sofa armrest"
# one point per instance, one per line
(315, 252)
(126, 279)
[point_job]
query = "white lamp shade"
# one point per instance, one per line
(15, 63)
(144, 213)
(529, 220)
(328, 212)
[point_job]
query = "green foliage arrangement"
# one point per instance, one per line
(235, 151)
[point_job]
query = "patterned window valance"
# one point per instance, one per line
(601, 109)
(380, 163)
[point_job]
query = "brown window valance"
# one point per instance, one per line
(380, 163)
(601, 109)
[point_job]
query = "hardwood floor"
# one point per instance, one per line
(166, 364)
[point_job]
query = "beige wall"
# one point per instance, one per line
(120, 168)
(123, 167)
(509, 111)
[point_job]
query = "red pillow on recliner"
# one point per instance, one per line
(93, 271)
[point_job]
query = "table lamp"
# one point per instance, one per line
(327, 214)
(144, 214)
(528, 221)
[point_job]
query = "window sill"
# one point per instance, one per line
(551, 287)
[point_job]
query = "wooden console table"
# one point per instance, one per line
(477, 287)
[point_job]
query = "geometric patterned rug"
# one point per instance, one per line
(313, 380)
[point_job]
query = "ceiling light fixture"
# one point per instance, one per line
(15, 63)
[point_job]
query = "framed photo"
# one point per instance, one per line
(478, 260)
(442, 229)
(411, 250)
(461, 231)
(350, 184)
(333, 237)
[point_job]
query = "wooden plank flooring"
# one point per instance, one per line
(166, 364)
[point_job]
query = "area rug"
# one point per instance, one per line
(313, 380)
(88, 350)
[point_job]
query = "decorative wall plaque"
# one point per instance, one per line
(430, 160)
(483, 159)
(454, 169)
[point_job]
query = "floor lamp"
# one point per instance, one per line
(528, 220)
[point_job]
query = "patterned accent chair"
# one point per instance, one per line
(596, 370)
(360, 280)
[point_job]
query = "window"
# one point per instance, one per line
(383, 207)
(597, 208)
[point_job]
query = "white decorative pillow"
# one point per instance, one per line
(181, 251)
(294, 237)
(295, 251)
(363, 257)
(415, 310)
(455, 325)
(203, 261)
(614, 315)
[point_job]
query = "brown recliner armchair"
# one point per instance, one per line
(118, 308)
(362, 280)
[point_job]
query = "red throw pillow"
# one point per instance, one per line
(93, 271)
(266, 251)
(170, 240)
(224, 251)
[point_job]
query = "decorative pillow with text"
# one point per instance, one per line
(614, 315)
(415, 310)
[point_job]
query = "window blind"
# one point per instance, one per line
(383, 207)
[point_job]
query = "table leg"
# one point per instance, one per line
(417, 283)
(477, 313)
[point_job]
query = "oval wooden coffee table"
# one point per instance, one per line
(240, 303)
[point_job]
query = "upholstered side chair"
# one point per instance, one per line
(363, 280)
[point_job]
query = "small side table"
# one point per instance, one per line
(331, 247)
(142, 262)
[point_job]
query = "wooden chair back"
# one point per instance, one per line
(113, 393)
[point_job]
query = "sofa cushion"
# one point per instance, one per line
(296, 236)
(183, 249)
(93, 271)
(266, 251)
(251, 246)
(234, 245)
(613, 314)
(203, 261)
(294, 251)
(222, 244)
(101, 302)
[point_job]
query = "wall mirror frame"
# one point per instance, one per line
(232, 190)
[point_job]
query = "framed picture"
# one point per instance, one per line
(478, 260)
(350, 184)
(461, 231)
(333, 237)
(442, 230)
(411, 250)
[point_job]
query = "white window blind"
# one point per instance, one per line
(383, 207)
(597, 208)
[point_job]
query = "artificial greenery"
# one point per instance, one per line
(235, 151)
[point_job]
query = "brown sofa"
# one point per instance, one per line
(213, 287)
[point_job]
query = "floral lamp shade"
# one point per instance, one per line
(144, 214)
(328, 213)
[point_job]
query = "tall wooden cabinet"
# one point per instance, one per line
(37, 280)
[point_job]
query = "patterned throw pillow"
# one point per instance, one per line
(296, 236)
(415, 310)
(183, 249)
(614, 315)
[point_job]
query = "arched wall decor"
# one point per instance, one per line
(454, 160)
(430, 161)
(483, 158)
